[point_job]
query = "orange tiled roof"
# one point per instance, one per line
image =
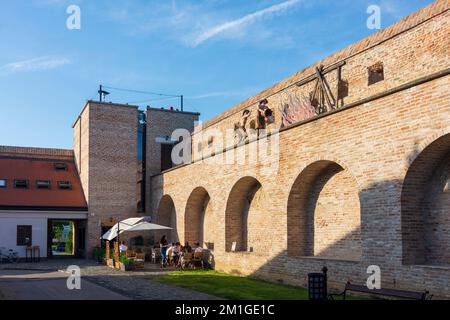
(33, 169)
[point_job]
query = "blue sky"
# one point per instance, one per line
(216, 53)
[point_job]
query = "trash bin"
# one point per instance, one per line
(317, 285)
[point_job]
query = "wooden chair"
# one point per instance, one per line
(139, 261)
(197, 260)
(156, 256)
(186, 260)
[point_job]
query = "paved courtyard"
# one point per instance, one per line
(47, 280)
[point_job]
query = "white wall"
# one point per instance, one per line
(9, 220)
(8, 233)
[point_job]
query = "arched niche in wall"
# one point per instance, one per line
(198, 223)
(239, 205)
(425, 205)
(167, 216)
(323, 213)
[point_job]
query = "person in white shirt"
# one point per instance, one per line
(123, 247)
(176, 250)
(198, 249)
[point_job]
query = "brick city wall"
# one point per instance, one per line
(351, 186)
(410, 49)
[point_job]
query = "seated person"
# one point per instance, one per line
(169, 253)
(123, 247)
(186, 258)
(176, 251)
(198, 249)
(187, 247)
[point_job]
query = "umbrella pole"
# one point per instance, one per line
(118, 238)
(118, 231)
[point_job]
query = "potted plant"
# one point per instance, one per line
(98, 254)
(126, 264)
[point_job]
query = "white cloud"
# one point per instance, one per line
(193, 22)
(35, 64)
(241, 22)
(392, 9)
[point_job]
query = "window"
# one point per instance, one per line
(43, 184)
(2, 183)
(166, 157)
(61, 166)
(376, 73)
(21, 184)
(66, 185)
(210, 142)
(24, 235)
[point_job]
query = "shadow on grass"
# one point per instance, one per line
(233, 287)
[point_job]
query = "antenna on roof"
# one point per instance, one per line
(102, 93)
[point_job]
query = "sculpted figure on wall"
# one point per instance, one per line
(259, 123)
(240, 128)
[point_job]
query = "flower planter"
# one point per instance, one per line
(126, 267)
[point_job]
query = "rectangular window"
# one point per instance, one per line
(166, 157)
(21, 184)
(24, 235)
(66, 185)
(61, 166)
(376, 73)
(43, 184)
(2, 183)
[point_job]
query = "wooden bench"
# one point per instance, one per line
(394, 293)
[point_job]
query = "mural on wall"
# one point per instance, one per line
(298, 108)
(322, 99)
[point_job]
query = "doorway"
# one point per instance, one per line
(66, 238)
(63, 238)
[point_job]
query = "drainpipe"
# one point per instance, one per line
(144, 163)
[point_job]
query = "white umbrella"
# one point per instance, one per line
(132, 224)
(148, 226)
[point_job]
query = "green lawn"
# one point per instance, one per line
(229, 286)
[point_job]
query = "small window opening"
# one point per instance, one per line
(376, 73)
(43, 184)
(210, 142)
(61, 166)
(65, 185)
(21, 184)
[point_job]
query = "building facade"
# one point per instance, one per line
(345, 164)
(118, 148)
(42, 204)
